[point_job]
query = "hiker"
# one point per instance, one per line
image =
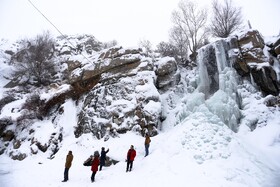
(131, 154)
(147, 144)
(103, 157)
(94, 166)
(68, 163)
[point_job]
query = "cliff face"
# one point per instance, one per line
(118, 90)
(224, 67)
(249, 56)
(257, 62)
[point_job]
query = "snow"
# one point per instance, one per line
(196, 152)
(4, 67)
(199, 151)
(45, 131)
(11, 109)
(194, 147)
(163, 61)
(153, 107)
(49, 93)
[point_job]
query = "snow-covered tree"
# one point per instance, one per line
(33, 61)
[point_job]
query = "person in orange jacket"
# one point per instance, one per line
(94, 166)
(131, 154)
(147, 144)
(68, 164)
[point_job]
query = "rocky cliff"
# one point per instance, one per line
(118, 90)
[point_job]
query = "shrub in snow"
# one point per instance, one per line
(6, 135)
(33, 61)
(16, 155)
(33, 104)
(6, 100)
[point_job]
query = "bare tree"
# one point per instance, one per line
(109, 44)
(179, 40)
(226, 18)
(146, 45)
(167, 49)
(33, 64)
(191, 20)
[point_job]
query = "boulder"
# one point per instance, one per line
(17, 156)
(73, 65)
(166, 72)
(251, 39)
(241, 67)
(16, 144)
(114, 59)
(275, 48)
(266, 78)
(8, 135)
(251, 44)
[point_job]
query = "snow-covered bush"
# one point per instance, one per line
(33, 61)
(6, 100)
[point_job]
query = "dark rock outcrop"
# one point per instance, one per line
(251, 44)
(266, 78)
(253, 61)
(167, 74)
(275, 48)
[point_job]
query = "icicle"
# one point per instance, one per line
(222, 62)
(204, 85)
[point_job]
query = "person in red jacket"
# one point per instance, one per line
(94, 166)
(131, 154)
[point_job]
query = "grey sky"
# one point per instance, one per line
(127, 21)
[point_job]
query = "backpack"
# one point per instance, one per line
(88, 161)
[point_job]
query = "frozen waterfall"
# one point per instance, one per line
(224, 100)
(217, 85)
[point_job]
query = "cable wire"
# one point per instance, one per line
(64, 36)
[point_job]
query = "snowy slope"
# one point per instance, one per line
(196, 152)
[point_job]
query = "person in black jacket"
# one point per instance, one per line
(103, 158)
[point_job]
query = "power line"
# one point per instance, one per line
(46, 18)
(56, 29)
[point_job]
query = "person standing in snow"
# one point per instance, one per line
(131, 154)
(68, 164)
(103, 157)
(94, 166)
(147, 144)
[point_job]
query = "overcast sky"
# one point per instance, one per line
(127, 21)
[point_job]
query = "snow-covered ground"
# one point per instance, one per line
(196, 152)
